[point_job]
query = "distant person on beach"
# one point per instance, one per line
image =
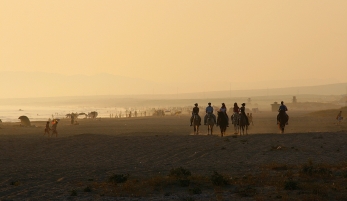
(47, 129)
(339, 118)
(195, 111)
(54, 127)
(72, 118)
(284, 109)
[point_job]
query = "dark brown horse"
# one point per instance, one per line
(222, 122)
(243, 125)
(196, 123)
(282, 120)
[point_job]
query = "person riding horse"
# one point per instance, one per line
(242, 110)
(236, 108)
(224, 110)
(195, 112)
(209, 110)
(284, 109)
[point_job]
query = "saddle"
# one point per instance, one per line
(196, 116)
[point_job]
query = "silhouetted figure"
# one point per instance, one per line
(72, 118)
(223, 109)
(242, 110)
(284, 109)
(195, 112)
(54, 128)
(209, 110)
(47, 129)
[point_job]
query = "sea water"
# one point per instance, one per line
(11, 113)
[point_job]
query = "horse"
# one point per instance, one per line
(235, 120)
(222, 121)
(243, 124)
(196, 123)
(282, 120)
(210, 123)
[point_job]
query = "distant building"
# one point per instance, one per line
(274, 107)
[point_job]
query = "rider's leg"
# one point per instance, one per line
(214, 118)
(199, 120)
(205, 119)
(227, 119)
(287, 119)
(191, 120)
(278, 118)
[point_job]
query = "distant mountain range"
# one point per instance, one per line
(38, 84)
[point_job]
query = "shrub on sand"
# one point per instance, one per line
(218, 179)
(118, 178)
(179, 173)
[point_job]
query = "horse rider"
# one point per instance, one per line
(224, 110)
(242, 110)
(282, 108)
(195, 111)
(236, 111)
(209, 110)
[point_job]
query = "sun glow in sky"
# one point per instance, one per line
(177, 41)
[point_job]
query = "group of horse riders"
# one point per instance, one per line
(236, 110)
(209, 111)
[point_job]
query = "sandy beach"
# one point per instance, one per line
(37, 167)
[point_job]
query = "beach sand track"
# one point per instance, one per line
(49, 168)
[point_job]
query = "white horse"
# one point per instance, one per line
(235, 120)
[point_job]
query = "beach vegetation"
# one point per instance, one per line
(73, 193)
(195, 190)
(87, 189)
(291, 185)
(218, 179)
(179, 173)
(118, 178)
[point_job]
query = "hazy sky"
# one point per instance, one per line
(177, 40)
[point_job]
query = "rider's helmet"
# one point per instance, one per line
(209, 104)
(223, 104)
(196, 104)
(282, 102)
(243, 104)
